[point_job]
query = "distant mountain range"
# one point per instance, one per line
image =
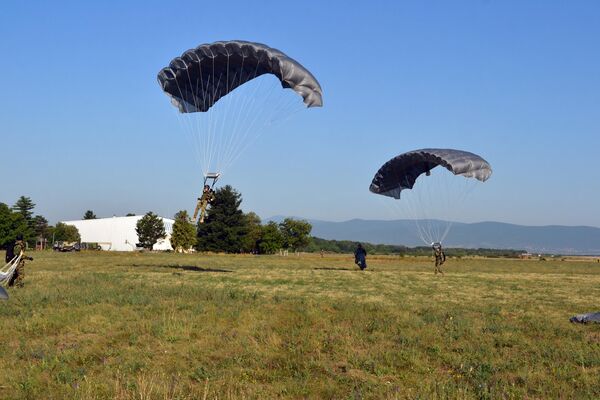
(556, 239)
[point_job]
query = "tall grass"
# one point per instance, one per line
(172, 326)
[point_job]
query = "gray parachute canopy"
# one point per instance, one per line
(201, 76)
(402, 171)
(586, 318)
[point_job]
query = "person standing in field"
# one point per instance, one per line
(440, 257)
(360, 257)
(14, 250)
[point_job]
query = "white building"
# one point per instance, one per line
(118, 233)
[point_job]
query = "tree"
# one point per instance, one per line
(150, 228)
(40, 227)
(296, 233)
(271, 239)
(224, 227)
(24, 206)
(89, 214)
(184, 232)
(66, 233)
(11, 225)
(253, 233)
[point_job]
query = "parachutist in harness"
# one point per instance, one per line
(440, 257)
(201, 77)
(208, 196)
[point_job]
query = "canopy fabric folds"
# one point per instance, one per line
(401, 172)
(197, 79)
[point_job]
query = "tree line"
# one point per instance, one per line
(228, 229)
(348, 246)
(20, 220)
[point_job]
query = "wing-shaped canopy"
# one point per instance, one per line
(201, 76)
(402, 171)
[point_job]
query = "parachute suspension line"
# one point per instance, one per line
(260, 115)
(401, 210)
(204, 91)
(438, 196)
(419, 205)
(436, 202)
(187, 127)
(432, 199)
(7, 272)
(407, 207)
(214, 122)
(424, 221)
(449, 220)
(222, 145)
(467, 187)
(237, 113)
(245, 105)
(415, 203)
(266, 116)
(222, 136)
(189, 120)
(241, 106)
(432, 192)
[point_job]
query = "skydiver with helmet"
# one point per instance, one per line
(440, 257)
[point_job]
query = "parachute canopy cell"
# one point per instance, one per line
(201, 76)
(402, 171)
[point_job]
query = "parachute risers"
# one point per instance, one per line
(212, 175)
(207, 195)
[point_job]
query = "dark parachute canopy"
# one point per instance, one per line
(402, 171)
(201, 76)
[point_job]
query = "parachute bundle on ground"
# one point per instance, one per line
(429, 194)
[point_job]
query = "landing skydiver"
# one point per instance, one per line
(208, 196)
(440, 257)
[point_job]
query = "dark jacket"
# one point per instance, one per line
(360, 257)
(360, 252)
(10, 252)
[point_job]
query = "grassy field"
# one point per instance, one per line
(171, 326)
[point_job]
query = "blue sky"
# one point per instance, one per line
(84, 125)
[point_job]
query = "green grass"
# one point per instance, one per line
(171, 326)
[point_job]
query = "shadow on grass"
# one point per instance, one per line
(335, 269)
(183, 267)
